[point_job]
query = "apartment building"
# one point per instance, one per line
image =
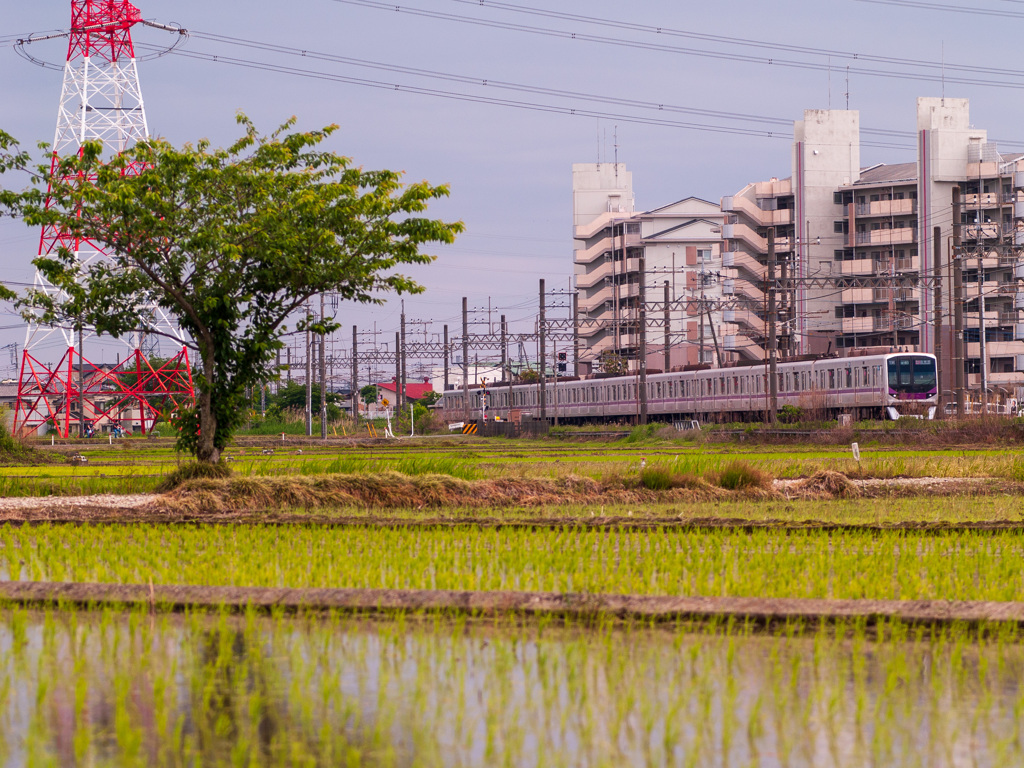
(680, 247)
(835, 222)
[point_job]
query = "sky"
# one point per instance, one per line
(508, 167)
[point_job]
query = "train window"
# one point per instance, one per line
(849, 378)
(856, 377)
(831, 378)
(875, 373)
(864, 376)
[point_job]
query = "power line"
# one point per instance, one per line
(740, 41)
(973, 11)
(935, 77)
(525, 105)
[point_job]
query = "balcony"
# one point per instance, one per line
(744, 345)
(858, 325)
(856, 296)
(607, 219)
(887, 236)
(744, 261)
(598, 249)
(906, 207)
(746, 319)
(880, 295)
(751, 210)
(776, 188)
(858, 267)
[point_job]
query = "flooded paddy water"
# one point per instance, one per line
(129, 688)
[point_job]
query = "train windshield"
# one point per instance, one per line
(912, 374)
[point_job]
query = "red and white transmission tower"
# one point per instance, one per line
(101, 101)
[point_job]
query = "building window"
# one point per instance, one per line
(633, 228)
(704, 255)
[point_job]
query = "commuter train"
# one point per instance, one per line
(868, 387)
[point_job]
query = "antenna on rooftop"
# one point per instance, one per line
(616, 156)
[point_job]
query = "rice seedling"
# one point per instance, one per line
(208, 689)
(894, 565)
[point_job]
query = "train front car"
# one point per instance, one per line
(912, 386)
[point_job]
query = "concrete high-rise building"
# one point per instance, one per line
(680, 246)
(837, 221)
(854, 243)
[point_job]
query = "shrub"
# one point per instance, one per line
(790, 414)
(739, 475)
(193, 470)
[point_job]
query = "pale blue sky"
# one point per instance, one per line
(510, 169)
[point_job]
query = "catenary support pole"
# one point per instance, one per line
(309, 380)
(465, 358)
(323, 374)
(958, 309)
(940, 364)
(447, 357)
(542, 354)
(398, 373)
(642, 322)
(356, 398)
(576, 334)
(405, 373)
(773, 336)
(668, 329)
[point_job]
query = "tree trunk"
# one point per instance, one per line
(206, 450)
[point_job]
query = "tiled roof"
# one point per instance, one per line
(888, 174)
(412, 391)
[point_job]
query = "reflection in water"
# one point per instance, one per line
(84, 689)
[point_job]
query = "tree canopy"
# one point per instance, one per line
(231, 243)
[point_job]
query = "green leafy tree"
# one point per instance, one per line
(230, 242)
(369, 394)
(609, 362)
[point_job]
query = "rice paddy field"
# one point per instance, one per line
(123, 686)
(109, 688)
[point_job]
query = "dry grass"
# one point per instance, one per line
(393, 490)
(830, 485)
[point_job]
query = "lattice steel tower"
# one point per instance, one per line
(101, 100)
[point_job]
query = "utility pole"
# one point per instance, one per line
(937, 313)
(983, 352)
(309, 377)
(554, 359)
(81, 386)
(642, 298)
(508, 362)
(288, 357)
(773, 338)
(504, 349)
(668, 331)
(542, 352)
(398, 373)
(700, 315)
(465, 358)
(980, 246)
(576, 334)
(355, 375)
(405, 372)
(323, 374)
(446, 356)
(958, 309)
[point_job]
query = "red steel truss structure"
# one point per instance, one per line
(101, 100)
